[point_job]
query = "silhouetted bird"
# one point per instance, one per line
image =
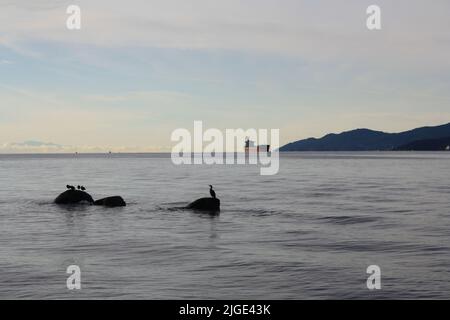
(78, 187)
(83, 188)
(70, 187)
(67, 186)
(212, 192)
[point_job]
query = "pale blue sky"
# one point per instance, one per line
(137, 70)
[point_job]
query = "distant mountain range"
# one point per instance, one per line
(427, 145)
(425, 138)
(33, 143)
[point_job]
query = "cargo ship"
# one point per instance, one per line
(251, 148)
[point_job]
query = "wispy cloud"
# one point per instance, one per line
(159, 97)
(314, 30)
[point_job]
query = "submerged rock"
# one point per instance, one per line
(74, 197)
(111, 202)
(205, 204)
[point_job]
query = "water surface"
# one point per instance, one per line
(308, 232)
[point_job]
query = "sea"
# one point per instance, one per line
(309, 232)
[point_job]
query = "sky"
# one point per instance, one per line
(138, 70)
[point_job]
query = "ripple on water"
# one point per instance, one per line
(344, 220)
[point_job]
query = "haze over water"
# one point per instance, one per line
(308, 232)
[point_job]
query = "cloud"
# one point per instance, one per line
(317, 30)
(149, 97)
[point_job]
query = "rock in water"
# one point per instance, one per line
(111, 202)
(74, 197)
(205, 204)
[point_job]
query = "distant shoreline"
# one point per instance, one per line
(169, 153)
(435, 138)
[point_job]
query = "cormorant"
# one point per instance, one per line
(70, 187)
(67, 186)
(83, 188)
(78, 187)
(212, 192)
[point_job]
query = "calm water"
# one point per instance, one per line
(308, 232)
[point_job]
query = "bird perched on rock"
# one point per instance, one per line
(78, 187)
(70, 187)
(83, 188)
(212, 192)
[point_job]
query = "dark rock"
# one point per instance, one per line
(205, 204)
(74, 197)
(111, 202)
